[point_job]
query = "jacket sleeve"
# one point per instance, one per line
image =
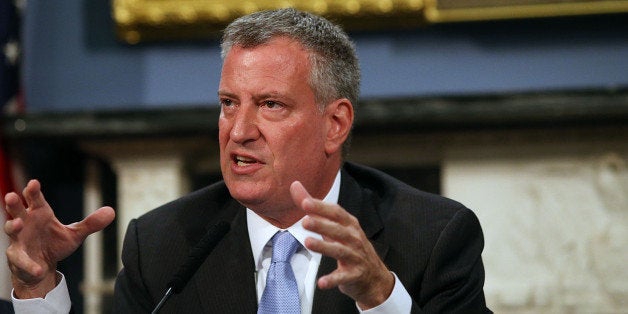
(454, 276)
(6, 307)
(131, 294)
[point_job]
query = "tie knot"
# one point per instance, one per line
(284, 246)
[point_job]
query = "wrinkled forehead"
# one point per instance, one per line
(253, 42)
(281, 52)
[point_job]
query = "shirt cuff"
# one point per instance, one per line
(399, 301)
(57, 301)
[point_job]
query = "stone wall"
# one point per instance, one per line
(554, 209)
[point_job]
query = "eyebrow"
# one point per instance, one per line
(271, 95)
(228, 94)
(260, 96)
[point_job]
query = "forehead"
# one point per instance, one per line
(278, 49)
(279, 60)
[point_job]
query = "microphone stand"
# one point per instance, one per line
(163, 300)
(197, 255)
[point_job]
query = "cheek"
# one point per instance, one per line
(300, 140)
(223, 141)
(223, 131)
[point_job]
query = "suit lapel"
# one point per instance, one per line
(230, 267)
(359, 203)
(230, 271)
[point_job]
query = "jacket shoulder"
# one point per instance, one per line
(189, 216)
(393, 194)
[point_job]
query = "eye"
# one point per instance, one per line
(271, 104)
(226, 102)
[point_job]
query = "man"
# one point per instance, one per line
(364, 241)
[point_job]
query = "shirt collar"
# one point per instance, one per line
(261, 231)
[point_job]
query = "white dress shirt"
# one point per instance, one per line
(304, 264)
(57, 301)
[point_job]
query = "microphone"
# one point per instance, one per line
(197, 256)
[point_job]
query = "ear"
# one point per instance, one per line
(339, 120)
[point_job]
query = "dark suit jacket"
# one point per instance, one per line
(6, 307)
(433, 244)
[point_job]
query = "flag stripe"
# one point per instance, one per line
(9, 85)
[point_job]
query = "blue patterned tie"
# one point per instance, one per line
(281, 294)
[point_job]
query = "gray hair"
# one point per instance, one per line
(335, 72)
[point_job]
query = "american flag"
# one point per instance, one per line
(9, 79)
(9, 101)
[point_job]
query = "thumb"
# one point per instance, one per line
(299, 194)
(94, 222)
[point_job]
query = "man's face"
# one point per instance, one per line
(271, 130)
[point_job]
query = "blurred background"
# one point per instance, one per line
(518, 109)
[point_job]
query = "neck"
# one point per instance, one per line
(286, 220)
(288, 216)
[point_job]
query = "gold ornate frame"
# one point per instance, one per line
(148, 20)
(437, 11)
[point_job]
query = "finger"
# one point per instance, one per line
(299, 194)
(306, 202)
(333, 280)
(329, 211)
(335, 250)
(32, 193)
(14, 206)
(22, 265)
(94, 222)
(13, 227)
(330, 230)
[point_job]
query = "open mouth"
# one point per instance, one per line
(243, 161)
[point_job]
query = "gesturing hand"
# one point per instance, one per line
(38, 241)
(360, 274)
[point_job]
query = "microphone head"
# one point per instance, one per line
(197, 256)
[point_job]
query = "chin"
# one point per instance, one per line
(247, 194)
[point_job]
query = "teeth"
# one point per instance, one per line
(243, 161)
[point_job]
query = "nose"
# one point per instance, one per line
(245, 125)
